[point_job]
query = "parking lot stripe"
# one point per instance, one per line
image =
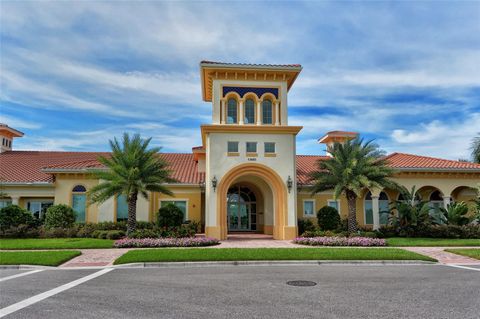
(20, 275)
(464, 267)
(44, 295)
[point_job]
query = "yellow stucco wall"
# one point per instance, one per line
(64, 184)
(192, 195)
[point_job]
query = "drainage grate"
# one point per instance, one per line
(301, 283)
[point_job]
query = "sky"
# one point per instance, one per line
(75, 74)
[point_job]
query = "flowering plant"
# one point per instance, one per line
(340, 241)
(165, 242)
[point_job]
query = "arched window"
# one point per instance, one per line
(383, 208)
(79, 202)
(231, 111)
(122, 208)
(249, 111)
(267, 113)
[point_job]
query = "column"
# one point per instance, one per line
(376, 212)
(259, 112)
(15, 200)
(446, 201)
(222, 112)
(241, 112)
(277, 113)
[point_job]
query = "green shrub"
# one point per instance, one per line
(20, 231)
(59, 216)
(144, 233)
(115, 234)
(14, 216)
(305, 224)
(170, 216)
(58, 232)
(328, 218)
(456, 214)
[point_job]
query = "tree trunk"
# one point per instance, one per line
(132, 213)
(352, 212)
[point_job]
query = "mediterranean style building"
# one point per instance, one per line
(246, 175)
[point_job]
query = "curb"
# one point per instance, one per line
(26, 267)
(194, 264)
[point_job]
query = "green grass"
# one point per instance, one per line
(473, 253)
(55, 243)
(405, 242)
(44, 258)
(233, 254)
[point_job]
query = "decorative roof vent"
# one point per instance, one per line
(336, 137)
(6, 137)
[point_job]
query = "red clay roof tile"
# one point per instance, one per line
(33, 166)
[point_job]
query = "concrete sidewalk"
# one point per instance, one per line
(445, 257)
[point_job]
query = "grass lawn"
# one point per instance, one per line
(44, 258)
(232, 254)
(55, 243)
(405, 242)
(473, 253)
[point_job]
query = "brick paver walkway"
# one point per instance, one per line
(95, 257)
(443, 256)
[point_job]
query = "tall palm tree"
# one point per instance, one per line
(476, 148)
(354, 166)
(132, 169)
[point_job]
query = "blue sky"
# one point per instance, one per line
(407, 74)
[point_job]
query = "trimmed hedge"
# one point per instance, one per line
(328, 218)
(59, 216)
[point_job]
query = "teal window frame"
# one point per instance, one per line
(232, 147)
(251, 147)
(270, 147)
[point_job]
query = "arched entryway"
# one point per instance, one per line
(253, 174)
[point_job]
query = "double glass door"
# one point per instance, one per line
(242, 209)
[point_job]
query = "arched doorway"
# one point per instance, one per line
(241, 209)
(278, 199)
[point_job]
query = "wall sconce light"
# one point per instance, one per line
(289, 184)
(214, 183)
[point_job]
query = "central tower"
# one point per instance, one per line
(249, 146)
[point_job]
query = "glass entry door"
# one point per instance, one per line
(241, 209)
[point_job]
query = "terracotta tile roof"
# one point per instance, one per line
(410, 161)
(253, 64)
(25, 166)
(33, 166)
(305, 165)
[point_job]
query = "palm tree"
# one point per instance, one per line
(132, 169)
(476, 149)
(354, 166)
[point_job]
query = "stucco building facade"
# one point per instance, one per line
(246, 175)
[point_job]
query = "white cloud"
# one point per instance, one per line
(17, 123)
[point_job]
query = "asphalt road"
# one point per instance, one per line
(345, 291)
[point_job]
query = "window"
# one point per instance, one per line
(122, 208)
(249, 111)
(182, 204)
(269, 147)
(267, 115)
(232, 147)
(79, 202)
(38, 208)
(383, 208)
(5, 203)
(334, 203)
(308, 207)
(231, 111)
(251, 147)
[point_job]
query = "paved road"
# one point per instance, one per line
(356, 291)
